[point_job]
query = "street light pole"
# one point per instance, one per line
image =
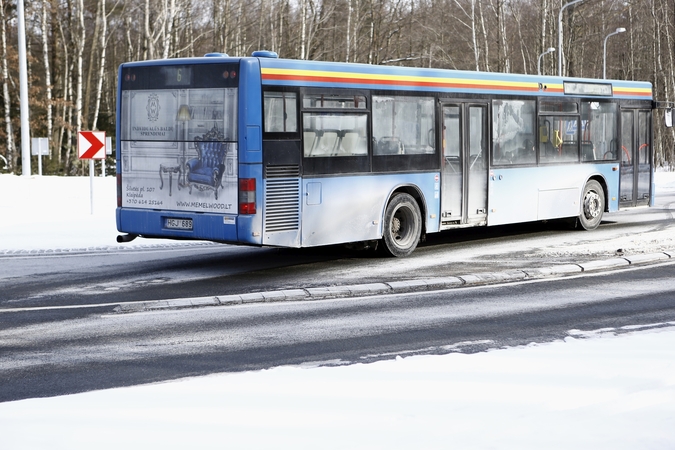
(23, 92)
(549, 50)
(560, 35)
(604, 51)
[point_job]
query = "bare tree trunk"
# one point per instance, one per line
(190, 33)
(261, 24)
(657, 73)
(670, 84)
(273, 32)
(472, 26)
(67, 113)
(504, 61)
(544, 13)
(218, 44)
(279, 20)
(485, 36)
(521, 41)
(130, 45)
(303, 32)
(238, 44)
(79, 47)
(101, 70)
(631, 30)
(90, 67)
(349, 29)
(149, 38)
(169, 16)
(474, 39)
(226, 26)
(48, 74)
(371, 35)
(5, 91)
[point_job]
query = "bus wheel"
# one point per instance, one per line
(592, 205)
(402, 226)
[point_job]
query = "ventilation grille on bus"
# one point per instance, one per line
(291, 171)
(282, 199)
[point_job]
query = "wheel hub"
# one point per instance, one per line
(395, 225)
(592, 205)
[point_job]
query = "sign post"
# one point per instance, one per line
(91, 146)
(40, 147)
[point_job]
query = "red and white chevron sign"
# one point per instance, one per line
(91, 144)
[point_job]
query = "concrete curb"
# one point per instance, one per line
(399, 287)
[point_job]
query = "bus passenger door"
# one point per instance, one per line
(464, 176)
(636, 157)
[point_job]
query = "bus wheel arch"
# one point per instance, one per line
(403, 225)
(593, 204)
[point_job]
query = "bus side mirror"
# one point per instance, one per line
(669, 117)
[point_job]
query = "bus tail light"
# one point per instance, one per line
(247, 196)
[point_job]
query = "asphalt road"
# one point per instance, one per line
(69, 351)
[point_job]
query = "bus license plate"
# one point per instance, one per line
(179, 224)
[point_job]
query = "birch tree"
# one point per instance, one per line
(101, 67)
(5, 91)
(48, 73)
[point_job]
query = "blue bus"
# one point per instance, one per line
(273, 152)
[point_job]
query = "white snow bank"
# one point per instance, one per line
(49, 212)
(609, 392)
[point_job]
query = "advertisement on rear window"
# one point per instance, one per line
(179, 150)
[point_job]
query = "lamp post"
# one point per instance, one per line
(549, 50)
(23, 92)
(560, 35)
(604, 51)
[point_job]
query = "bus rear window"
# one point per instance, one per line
(178, 114)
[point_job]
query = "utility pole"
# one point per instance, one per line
(23, 94)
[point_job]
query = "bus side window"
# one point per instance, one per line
(280, 112)
(403, 125)
(562, 143)
(599, 126)
(334, 134)
(513, 132)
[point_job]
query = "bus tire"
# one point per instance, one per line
(402, 226)
(592, 205)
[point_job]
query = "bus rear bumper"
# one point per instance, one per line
(181, 225)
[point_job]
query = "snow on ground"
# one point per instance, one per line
(608, 392)
(55, 213)
(607, 389)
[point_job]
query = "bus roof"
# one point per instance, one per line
(286, 72)
(298, 73)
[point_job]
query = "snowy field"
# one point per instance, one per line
(605, 389)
